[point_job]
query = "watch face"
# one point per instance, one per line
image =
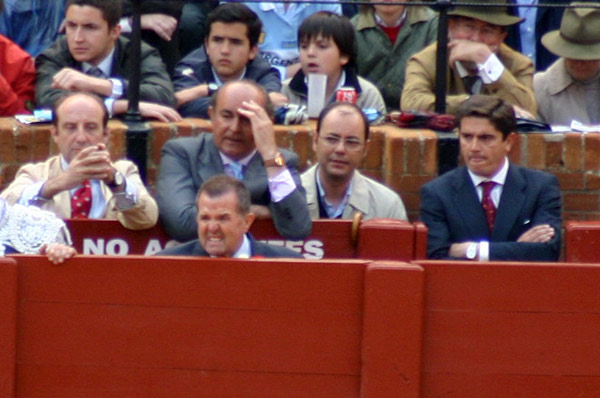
(118, 179)
(471, 251)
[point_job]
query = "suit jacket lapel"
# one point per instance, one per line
(209, 160)
(511, 202)
(468, 206)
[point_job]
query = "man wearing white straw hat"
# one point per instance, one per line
(570, 88)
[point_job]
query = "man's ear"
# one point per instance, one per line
(54, 134)
(253, 52)
(115, 32)
(509, 141)
(366, 148)
(315, 141)
(248, 220)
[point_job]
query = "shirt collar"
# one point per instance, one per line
(245, 160)
(245, 251)
(105, 65)
(499, 178)
(399, 22)
(333, 212)
(218, 79)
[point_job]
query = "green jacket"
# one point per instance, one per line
(382, 62)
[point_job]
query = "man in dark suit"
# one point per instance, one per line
(224, 218)
(93, 57)
(491, 209)
(242, 145)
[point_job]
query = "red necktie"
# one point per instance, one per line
(488, 205)
(81, 201)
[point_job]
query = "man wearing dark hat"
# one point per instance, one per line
(479, 63)
(570, 88)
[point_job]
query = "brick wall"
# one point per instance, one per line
(402, 159)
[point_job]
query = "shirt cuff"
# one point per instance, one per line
(491, 70)
(484, 251)
(117, 88)
(108, 103)
(31, 194)
(128, 198)
(281, 185)
(125, 23)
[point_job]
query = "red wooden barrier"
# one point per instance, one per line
(8, 326)
(582, 241)
(178, 327)
(377, 239)
(511, 330)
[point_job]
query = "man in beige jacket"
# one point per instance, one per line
(83, 182)
(478, 63)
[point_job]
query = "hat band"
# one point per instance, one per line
(579, 41)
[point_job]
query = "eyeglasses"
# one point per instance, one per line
(351, 144)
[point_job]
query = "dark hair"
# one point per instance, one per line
(268, 104)
(353, 108)
(222, 184)
(500, 114)
(330, 26)
(68, 95)
(110, 9)
(236, 12)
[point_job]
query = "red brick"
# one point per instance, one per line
(7, 146)
(581, 201)
(430, 154)
(592, 151)
(516, 151)
(592, 181)
(158, 138)
(407, 183)
(411, 203)
(23, 145)
(413, 154)
(374, 158)
(535, 151)
(394, 154)
(570, 181)
(302, 146)
(574, 152)
(41, 147)
(554, 151)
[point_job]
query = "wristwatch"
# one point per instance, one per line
(472, 251)
(277, 161)
(117, 181)
(212, 87)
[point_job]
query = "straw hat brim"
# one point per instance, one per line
(485, 15)
(556, 44)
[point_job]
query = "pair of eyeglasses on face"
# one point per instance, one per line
(332, 141)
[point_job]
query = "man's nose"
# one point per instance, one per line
(226, 47)
(77, 34)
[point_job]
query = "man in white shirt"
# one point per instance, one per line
(491, 209)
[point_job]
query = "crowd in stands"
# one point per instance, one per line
(236, 63)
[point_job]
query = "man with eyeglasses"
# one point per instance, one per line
(334, 186)
(478, 60)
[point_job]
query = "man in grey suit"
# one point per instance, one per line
(242, 145)
(224, 219)
(491, 209)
